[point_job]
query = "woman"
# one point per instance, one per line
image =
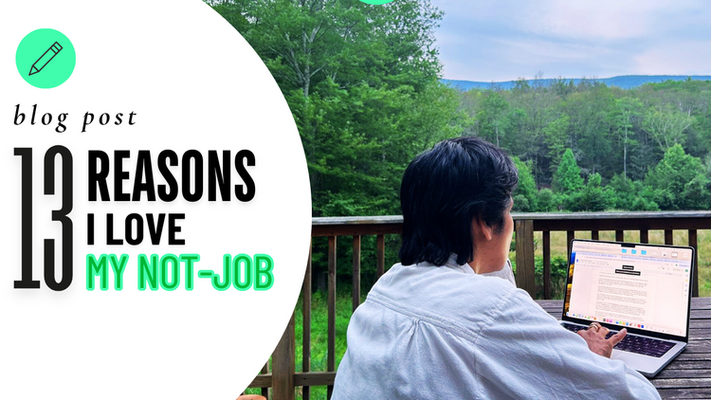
(440, 326)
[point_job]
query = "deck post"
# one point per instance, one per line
(525, 262)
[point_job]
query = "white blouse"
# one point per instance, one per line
(428, 332)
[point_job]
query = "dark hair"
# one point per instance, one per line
(444, 189)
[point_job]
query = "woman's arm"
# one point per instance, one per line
(525, 353)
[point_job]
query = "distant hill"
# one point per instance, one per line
(624, 82)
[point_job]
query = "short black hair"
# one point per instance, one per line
(444, 189)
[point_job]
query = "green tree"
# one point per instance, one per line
(667, 125)
(549, 201)
(363, 85)
(679, 181)
(493, 117)
(525, 194)
(593, 197)
(590, 128)
(626, 115)
(567, 177)
(556, 138)
(631, 195)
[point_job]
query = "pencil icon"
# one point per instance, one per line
(48, 55)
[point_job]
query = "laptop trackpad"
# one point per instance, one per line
(645, 364)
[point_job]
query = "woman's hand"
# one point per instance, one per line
(595, 337)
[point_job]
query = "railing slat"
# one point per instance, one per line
(265, 389)
(595, 235)
(331, 355)
(644, 236)
(668, 236)
(569, 237)
(306, 349)
(356, 272)
(546, 265)
(381, 255)
(693, 242)
(525, 266)
(620, 235)
(263, 381)
(314, 379)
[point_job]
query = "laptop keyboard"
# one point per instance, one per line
(634, 344)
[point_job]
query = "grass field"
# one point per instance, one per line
(319, 319)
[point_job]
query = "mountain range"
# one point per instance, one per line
(624, 82)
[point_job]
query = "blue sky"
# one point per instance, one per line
(492, 40)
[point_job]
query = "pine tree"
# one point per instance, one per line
(526, 192)
(567, 178)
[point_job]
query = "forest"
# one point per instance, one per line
(364, 86)
(590, 147)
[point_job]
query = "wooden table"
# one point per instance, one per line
(689, 375)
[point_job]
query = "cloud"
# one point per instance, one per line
(600, 20)
(675, 58)
(538, 50)
(495, 40)
(579, 19)
(511, 58)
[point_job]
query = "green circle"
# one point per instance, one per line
(45, 58)
(377, 2)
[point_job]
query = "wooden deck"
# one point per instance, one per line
(689, 375)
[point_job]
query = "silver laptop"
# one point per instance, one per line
(645, 288)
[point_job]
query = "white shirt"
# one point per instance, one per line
(428, 332)
(505, 273)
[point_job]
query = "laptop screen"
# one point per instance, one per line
(639, 286)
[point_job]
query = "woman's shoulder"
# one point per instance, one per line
(437, 280)
(444, 293)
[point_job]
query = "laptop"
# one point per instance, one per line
(645, 288)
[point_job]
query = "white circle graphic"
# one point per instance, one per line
(169, 89)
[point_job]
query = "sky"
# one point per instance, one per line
(494, 40)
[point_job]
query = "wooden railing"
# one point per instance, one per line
(283, 378)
